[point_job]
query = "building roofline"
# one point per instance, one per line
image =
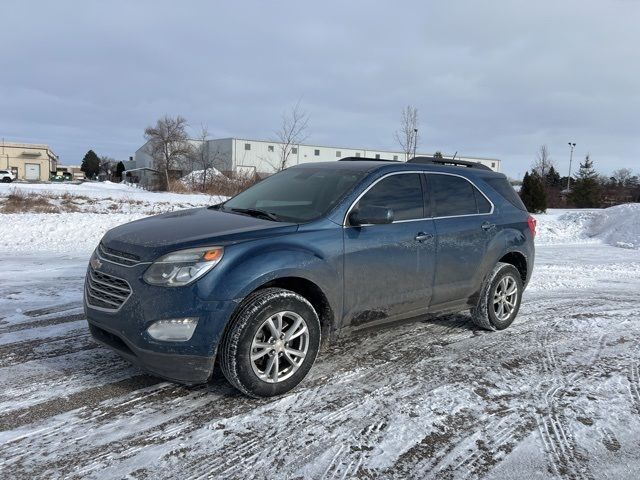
(396, 152)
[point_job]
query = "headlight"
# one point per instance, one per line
(183, 267)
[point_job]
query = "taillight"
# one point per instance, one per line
(532, 225)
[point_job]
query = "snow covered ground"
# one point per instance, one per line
(96, 208)
(557, 395)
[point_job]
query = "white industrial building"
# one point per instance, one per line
(262, 157)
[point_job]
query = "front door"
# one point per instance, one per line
(388, 269)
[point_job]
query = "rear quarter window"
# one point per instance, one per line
(454, 196)
(504, 188)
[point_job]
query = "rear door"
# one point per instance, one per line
(388, 269)
(464, 226)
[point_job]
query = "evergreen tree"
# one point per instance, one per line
(586, 190)
(90, 164)
(119, 169)
(552, 178)
(532, 193)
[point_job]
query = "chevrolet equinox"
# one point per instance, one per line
(256, 282)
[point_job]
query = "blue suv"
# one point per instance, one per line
(256, 282)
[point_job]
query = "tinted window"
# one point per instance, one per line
(502, 186)
(402, 193)
(452, 196)
(481, 201)
(297, 194)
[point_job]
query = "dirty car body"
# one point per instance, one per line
(363, 242)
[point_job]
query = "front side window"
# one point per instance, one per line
(454, 196)
(401, 192)
(316, 152)
(247, 146)
(298, 194)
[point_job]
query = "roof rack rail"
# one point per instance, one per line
(448, 161)
(365, 159)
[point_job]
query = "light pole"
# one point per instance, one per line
(572, 145)
(415, 141)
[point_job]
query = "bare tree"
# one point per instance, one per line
(543, 162)
(623, 177)
(292, 132)
(168, 144)
(204, 157)
(407, 137)
(107, 166)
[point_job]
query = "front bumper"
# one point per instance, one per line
(187, 369)
(125, 329)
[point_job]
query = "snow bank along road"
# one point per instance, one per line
(555, 396)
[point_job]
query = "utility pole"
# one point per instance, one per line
(572, 145)
(415, 141)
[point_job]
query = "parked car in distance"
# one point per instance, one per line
(7, 176)
(255, 283)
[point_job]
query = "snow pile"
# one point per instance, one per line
(618, 226)
(196, 177)
(563, 226)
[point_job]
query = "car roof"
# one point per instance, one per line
(393, 166)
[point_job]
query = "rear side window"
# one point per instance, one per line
(454, 196)
(502, 186)
(481, 201)
(402, 193)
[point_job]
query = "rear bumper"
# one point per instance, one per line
(187, 369)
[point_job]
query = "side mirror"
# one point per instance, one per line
(371, 215)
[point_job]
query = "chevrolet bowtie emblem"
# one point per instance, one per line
(95, 263)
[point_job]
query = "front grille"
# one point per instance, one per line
(106, 291)
(115, 256)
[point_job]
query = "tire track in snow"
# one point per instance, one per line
(41, 323)
(25, 416)
(634, 385)
(553, 426)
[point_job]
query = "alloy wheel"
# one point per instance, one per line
(279, 346)
(505, 298)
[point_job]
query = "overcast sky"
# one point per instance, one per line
(493, 79)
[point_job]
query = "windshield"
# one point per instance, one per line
(296, 194)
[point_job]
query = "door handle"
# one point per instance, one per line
(423, 237)
(488, 226)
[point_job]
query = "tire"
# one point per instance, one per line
(249, 334)
(488, 313)
(6, 180)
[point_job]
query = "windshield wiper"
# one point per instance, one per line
(255, 212)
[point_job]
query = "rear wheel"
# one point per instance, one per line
(500, 298)
(271, 343)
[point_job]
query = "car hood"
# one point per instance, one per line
(153, 236)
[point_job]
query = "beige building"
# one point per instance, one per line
(28, 161)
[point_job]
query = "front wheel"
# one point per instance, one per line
(271, 343)
(499, 299)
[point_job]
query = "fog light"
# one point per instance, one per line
(174, 330)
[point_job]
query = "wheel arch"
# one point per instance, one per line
(308, 289)
(519, 261)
